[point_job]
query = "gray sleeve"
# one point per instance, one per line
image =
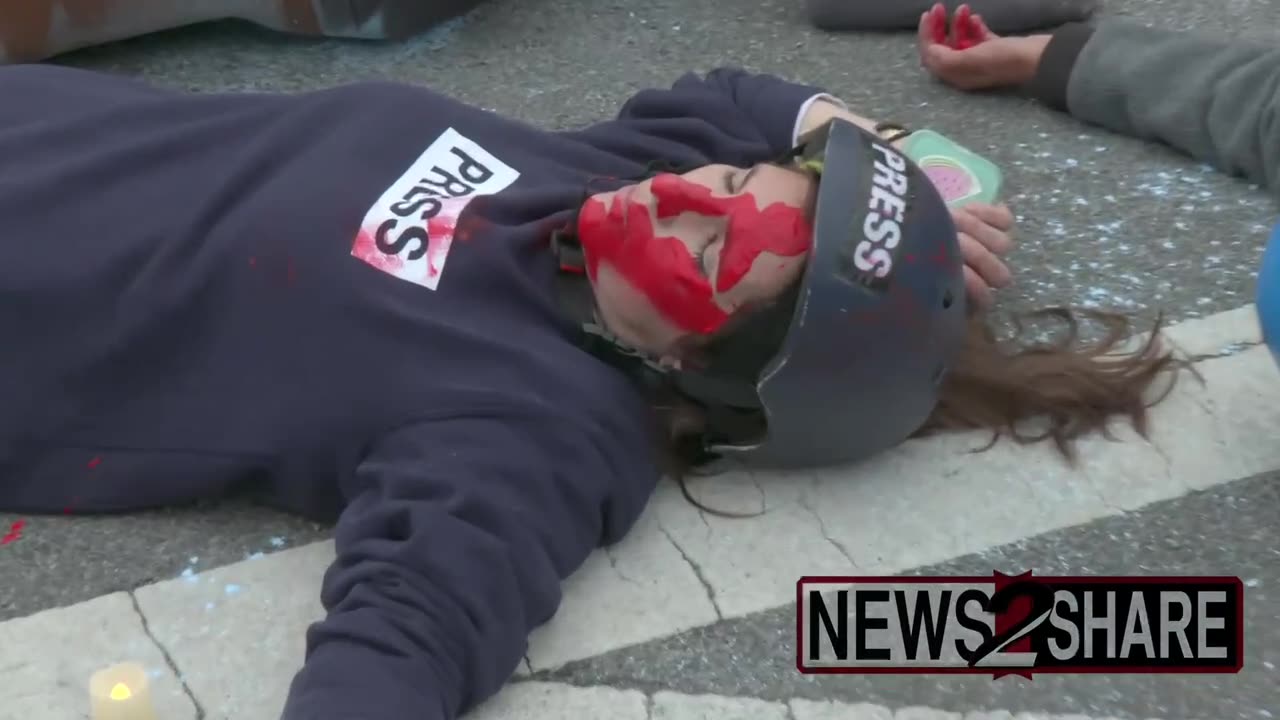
(1216, 99)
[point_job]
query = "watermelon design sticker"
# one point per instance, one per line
(954, 181)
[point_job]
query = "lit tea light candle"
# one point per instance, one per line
(121, 692)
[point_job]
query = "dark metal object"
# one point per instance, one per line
(35, 30)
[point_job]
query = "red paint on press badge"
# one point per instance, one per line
(442, 229)
(366, 249)
(419, 253)
(664, 269)
(15, 532)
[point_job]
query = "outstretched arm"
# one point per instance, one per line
(457, 537)
(728, 116)
(1216, 99)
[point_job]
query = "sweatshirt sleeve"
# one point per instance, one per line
(451, 551)
(728, 115)
(1221, 106)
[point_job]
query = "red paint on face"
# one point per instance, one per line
(14, 534)
(664, 269)
(778, 229)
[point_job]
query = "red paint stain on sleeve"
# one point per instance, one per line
(94, 463)
(15, 532)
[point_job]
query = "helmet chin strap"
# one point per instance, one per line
(578, 300)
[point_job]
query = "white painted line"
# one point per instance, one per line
(620, 595)
(238, 632)
(554, 701)
(46, 660)
(924, 713)
(1216, 333)
(677, 706)
(925, 502)
(931, 500)
(831, 710)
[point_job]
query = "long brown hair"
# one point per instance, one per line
(1070, 384)
(1050, 372)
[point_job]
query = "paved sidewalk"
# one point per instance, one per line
(225, 643)
(1104, 221)
(688, 618)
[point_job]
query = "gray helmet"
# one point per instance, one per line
(850, 362)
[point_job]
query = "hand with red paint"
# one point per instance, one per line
(985, 234)
(965, 54)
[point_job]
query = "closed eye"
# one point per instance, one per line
(701, 257)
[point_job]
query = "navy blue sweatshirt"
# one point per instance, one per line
(342, 299)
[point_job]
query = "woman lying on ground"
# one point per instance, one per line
(471, 342)
(1221, 106)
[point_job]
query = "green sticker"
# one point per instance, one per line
(960, 175)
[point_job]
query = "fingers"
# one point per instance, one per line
(997, 216)
(938, 24)
(984, 32)
(938, 44)
(977, 290)
(963, 34)
(959, 53)
(954, 67)
(961, 69)
(932, 30)
(924, 37)
(991, 237)
(983, 261)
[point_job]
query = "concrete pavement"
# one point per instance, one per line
(1155, 231)
(690, 603)
(923, 504)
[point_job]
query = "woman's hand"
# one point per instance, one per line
(993, 62)
(985, 236)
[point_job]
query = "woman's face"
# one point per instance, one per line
(672, 258)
